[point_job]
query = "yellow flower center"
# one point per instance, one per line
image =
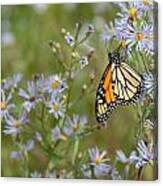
(132, 12)
(146, 2)
(56, 84)
(139, 36)
(56, 107)
(17, 124)
(75, 127)
(123, 44)
(98, 160)
(3, 105)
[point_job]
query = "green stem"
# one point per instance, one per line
(92, 171)
(26, 168)
(42, 117)
(68, 96)
(70, 83)
(144, 63)
(82, 40)
(139, 173)
(75, 152)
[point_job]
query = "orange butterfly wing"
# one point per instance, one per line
(105, 98)
(109, 96)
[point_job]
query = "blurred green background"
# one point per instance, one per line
(26, 30)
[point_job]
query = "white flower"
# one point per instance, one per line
(69, 39)
(83, 62)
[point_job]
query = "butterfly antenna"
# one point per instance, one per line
(118, 48)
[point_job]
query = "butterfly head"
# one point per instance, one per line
(114, 57)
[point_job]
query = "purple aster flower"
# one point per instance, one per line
(130, 10)
(149, 84)
(146, 5)
(29, 145)
(40, 81)
(120, 26)
(30, 96)
(99, 162)
(12, 83)
(117, 32)
(109, 32)
(6, 105)
(56, 107)
(148, 124)
(75, 125)
(143, 155)
(146, 154)
(86, 171)
(133, 157)
(57, 134)
(24, 147)
(15, 155)
(14, 126)
(121, 156)
(55, 84)
(141, 37)
(114, 174)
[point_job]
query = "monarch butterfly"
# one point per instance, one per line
(119, 85)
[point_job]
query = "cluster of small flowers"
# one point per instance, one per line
(139, 158)
(48, 92)
(43, 96)
(133, 26)
(40, 89)
(99, 165)
(23, 149)
(74, 42)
